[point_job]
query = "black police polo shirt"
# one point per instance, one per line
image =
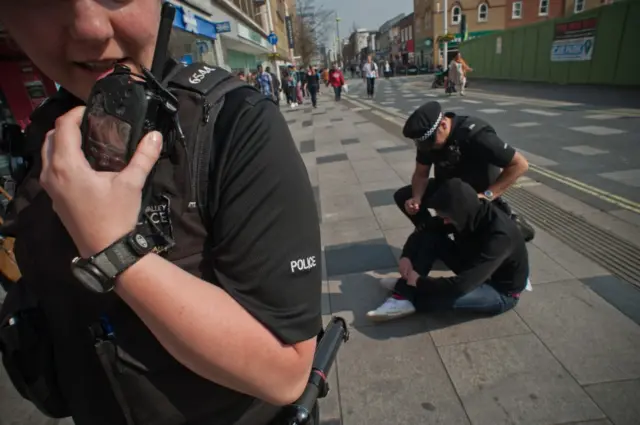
(266, 249)
(481, 156)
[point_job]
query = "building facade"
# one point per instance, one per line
(525, 12)
(358, 47)
(406, 39)
(482, 17)
(386, 36)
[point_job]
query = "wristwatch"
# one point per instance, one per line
(98, 273)
(488, 194)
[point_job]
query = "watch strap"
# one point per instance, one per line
(122, 254)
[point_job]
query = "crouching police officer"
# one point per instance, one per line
(458, 146)
(194, 336)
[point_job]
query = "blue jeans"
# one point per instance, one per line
(338, 92)
(483, 299)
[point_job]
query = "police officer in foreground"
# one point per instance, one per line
(230, 316)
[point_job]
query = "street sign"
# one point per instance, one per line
(272, 39)
(222, 27)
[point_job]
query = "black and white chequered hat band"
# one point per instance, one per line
(432, 130)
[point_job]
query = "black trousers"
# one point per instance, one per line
(371, 85)
(313, 91)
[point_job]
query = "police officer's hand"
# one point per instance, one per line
(405, 267)
(412, 206)
(97, 208)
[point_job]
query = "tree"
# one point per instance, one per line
(313, 25)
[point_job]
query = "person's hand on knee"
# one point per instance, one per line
(405, 267)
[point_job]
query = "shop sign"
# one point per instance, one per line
(223, 27)
(457, 39)
(249, 34)
(189, 20)
(574, 41)
(289, 24)
(272, 38)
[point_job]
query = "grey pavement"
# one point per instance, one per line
(568, 354)
(589, 141)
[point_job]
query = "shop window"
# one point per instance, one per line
(544, 8)
(456, 13)
(516, 10)
(483, 12)
(578, 6)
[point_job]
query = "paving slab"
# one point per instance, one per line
(576, 264)
(350, 231)
(515, 380)
(619, 400)
(590, 337)
(401, 380)
(544, 269)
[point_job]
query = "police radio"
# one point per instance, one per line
(124, 106)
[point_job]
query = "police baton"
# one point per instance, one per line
(299, 412)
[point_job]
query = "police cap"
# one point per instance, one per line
(421, 126)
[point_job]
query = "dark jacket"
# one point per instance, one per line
(488, 245)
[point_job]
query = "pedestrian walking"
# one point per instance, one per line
(336, 79)
(265, 82)
(458, 69)
(370, 73)
(312, 85)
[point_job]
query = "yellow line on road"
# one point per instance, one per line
(583, 187)
(576, 184)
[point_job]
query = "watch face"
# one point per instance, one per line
(80, 270)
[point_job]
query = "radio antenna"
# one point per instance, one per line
(162, 43)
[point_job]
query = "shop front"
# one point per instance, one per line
(193, 38)
(22, 86)
(243, 47)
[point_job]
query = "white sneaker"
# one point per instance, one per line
(389, 282)
(392, 309)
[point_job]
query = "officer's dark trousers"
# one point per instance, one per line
(483, 300)
(405, 193)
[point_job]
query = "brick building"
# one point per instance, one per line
(524, 12)
(406, 40)
(482, 17)
(572, 7)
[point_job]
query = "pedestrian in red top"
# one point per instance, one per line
(336, 79)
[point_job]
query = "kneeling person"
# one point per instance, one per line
(487, 254)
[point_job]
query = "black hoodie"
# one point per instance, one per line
(489, 245)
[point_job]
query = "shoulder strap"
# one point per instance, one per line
(470, 127)
(213, 84)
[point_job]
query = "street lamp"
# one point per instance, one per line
(338, 46)
(445, 50)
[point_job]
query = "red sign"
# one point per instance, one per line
(410, 46)
(576, 29)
